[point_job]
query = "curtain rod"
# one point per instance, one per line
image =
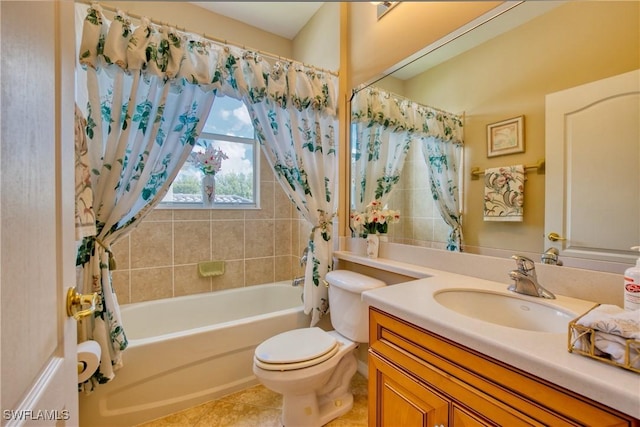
(204, 35)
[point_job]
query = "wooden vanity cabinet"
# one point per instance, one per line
(417, 378)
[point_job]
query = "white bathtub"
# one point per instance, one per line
(188, 350)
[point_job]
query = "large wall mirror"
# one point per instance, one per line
(500, 67)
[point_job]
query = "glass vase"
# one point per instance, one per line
(208, 190)
(373, 244)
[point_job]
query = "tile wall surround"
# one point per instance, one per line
(420, 221)
(159, 258)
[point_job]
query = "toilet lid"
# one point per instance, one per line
(296, 349)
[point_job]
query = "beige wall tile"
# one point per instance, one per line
(284, 207)
(151, 245)
(440, 230)
(233, 276)
(159, 215)
(227, 214)
(259, 239)
(227, 241)
(121, 281)
(151, 283)
(295, 238)
(122, 253)
(266, 173)
(259, 271)
(423, 229)
(187, 281)
(159, 258)
(283, 268)
(296, 268)
(267, 209)
(191, 241)
(192, 214)
(282, 237)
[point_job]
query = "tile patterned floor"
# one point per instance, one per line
(258, 407)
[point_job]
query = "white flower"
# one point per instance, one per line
(208, 161)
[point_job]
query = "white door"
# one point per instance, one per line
(38, 376)
(593, 169)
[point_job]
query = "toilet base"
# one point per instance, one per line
(318, 407)
(304, 411)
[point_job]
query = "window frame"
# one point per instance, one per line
(222, 205)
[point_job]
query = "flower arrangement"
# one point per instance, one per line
(375, 219)
(208, 161)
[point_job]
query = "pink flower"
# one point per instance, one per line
(209, 161)
(374, 219)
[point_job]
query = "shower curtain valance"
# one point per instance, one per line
(372, 105)
(163, 51)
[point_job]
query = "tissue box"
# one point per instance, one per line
(582, 340)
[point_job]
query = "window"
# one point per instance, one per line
(229, 129)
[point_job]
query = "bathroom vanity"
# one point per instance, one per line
(417, 378)
(431, 365)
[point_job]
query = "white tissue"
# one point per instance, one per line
(613, 326)
(89, 357)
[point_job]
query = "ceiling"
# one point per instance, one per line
(282, 18)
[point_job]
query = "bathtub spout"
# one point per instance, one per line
(298, 281)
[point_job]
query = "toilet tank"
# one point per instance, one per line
(349, 314)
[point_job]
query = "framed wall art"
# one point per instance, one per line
(505, 137)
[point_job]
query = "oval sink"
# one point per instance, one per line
(506, 310)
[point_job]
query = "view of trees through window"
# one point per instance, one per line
(228, 128)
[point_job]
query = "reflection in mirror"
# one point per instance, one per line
(544, 47)
(385, 127)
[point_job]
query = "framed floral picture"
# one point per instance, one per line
(505, 137)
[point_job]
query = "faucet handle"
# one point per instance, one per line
(525, 265)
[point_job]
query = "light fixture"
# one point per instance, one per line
(384, 6)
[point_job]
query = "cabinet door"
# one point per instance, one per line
(399, 400)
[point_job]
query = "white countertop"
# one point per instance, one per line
(542, 354)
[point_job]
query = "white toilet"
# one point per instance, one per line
(312, 368)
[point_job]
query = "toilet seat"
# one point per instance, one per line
(296, 349)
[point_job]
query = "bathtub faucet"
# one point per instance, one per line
(297, 281)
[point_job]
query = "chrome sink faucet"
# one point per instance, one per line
(550, 256)
(526, 280)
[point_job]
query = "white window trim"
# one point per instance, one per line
(226, 206)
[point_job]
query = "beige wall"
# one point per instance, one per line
(318, 43)
(508, 77)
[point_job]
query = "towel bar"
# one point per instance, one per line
(476, 171)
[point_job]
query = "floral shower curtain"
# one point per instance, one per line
(382, 137)
(143, 118)
(294, 112)
(442, 158)
(150, 90)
